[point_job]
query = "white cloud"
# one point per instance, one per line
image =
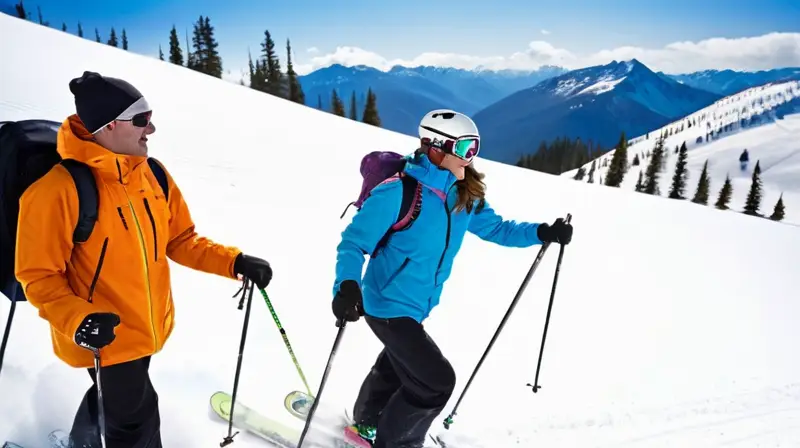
(545, 32)
(745, 53)
(312, 50)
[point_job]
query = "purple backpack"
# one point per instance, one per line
(379, 167)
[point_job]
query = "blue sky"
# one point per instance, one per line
(402, 30)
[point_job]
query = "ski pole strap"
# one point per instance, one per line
(286, 341)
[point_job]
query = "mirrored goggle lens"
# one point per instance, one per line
(466, 148)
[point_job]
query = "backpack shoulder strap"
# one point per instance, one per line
(88, 198)
(410, 207)
(161, 176)
(411, 204)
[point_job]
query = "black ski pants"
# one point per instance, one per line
(407, 387)
(131, 409)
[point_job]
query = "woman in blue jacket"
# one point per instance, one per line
(411, 380)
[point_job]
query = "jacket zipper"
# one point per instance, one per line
(446, 243)
(447, 235)
(146, 268)
(153, 224)
(97, 271)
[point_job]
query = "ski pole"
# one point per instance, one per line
(286, 340)
(535, 386)
(229, 438)
(449, 420)
(341, 324)
(101, 420)
(8, 326)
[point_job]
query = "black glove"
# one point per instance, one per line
(255, 269)
(348, 304)
(559, 232)
(96, 330)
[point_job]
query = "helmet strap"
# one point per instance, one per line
(435, 155)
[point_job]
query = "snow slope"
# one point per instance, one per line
(772, 135)
(673, 325)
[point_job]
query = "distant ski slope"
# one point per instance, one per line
(771, 135)
(672, 325)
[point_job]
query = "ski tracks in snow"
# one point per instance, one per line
(768, 417)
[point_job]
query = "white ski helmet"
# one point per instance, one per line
(451, 131)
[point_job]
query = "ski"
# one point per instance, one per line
(335, 433)
(247, 419)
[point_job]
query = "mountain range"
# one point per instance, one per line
(516, 109)
(406, 93)
(595, 103)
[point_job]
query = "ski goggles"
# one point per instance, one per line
(465, 147)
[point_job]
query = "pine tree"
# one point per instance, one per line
(725, 194)
(213, 61)
(619, 163)
(353, 111)
(190, 58)
(160, 53)
(205, 58)
(124, 40)
(639, 186)
(370, 115)
(97, 35)
(269, 65)
(680, 176)
(753, 202)
(580, 174)
(337, 106)
(21, 13)
(591, 172)
(779, 211)
(296, 93)
(653, 168)
(701, 194)
(41, 18)
(112, 40)
(175, 53)
(63, 27)
(319, 101)
(80, 30)
(636, 160)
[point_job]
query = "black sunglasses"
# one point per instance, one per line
(140, 120)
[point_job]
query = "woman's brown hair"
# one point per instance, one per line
(471, 189)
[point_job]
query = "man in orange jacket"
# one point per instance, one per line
(113, 293)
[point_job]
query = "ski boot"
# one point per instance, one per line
(360, 435)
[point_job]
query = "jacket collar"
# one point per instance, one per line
(75, 142)
(420, 167)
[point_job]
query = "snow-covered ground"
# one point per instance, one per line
(673, 324)
(773, 138)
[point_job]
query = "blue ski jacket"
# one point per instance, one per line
(405, 279)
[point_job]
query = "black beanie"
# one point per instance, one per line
(99, 99)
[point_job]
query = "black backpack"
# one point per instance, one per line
(28, 152)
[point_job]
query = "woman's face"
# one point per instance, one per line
(455, 165)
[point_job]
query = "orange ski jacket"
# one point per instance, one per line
(122, 268)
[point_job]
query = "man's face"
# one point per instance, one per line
(128, 136)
